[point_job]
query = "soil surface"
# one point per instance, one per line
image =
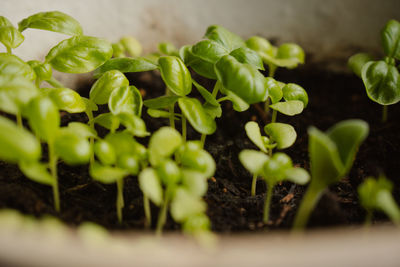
(333, 96)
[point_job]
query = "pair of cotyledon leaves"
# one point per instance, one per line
(381, 78)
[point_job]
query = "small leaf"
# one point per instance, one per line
(105, 152)
(106, 84)
(260, 45)
(169, 172)
(156, 113)
(126, 65)
(167, 49)
(213, 111)
(36, 171)
(10, 37)
(195, 182)
(391, 39)
(274, 170)
(130, 163)
(185, 205)
(357, 61)
(122, 101)
(290, 108)
(106, 120)
(43, 71)
(133, 124)
(293, 91)
(54, 21)
(197, 116)
(79, 54)
(17, 144)
(208, 51)
(253, 160)
(106, 174)
(89, 105)
(131, 45)
(254, 134)
(224, 37)
(238, 103)
(163, 143)
(138, 100)
(197, 159)
(274, 90)
(67, 99)
(71, 147)
(13, 65)
(161, 102)
(175, 75)
(248, 56)
(150, 185)
(123, 143)
(291, 52)
(283, 134)
(298, 175)
(200, 66)
(208, 97)
(82, 129)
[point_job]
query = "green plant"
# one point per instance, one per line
(177, 179)
(376, 194)
(331, 157)
(381, 78)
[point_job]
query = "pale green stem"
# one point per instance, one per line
(274, 114)
(162, 216)
(114, 125)
(120, 198)
(223, 99)
(307, 205)
(53, 170)
(266, 106)
(19, 120)
(215, 89)
(89, 113)
(172, 116)
(254, 185)
(203, 140)
(385, 113)
(147, 211)
(272, 68)
(55, 83)
(37, 83)
(267, 204)
(9, 51)
(184, 128)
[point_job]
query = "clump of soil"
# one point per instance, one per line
(333, 96)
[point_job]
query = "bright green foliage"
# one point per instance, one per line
(10, 36)
(167, 49)
(43, 71)
(331, 157)
(357, 61)
(131, 46)
(197, 116)
(72, 147)
(66, 99)
(126, 65)
(108, 82)
(376, 194)
(175, 75)
(13, 65)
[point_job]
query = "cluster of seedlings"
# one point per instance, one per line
(172, 171)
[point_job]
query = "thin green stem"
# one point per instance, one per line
(308, 203)
(53, 170)
(274, 115)
(203, 140)
(9, 51)
(223, 99)
(162, 216)
(55, 83)
(120, 198)
(385, 113)
(216, 89)
(114, 124)
(37, 83)
(368, 219)
(184, 128)
(266, 106)
(267, 204)
(172, 116)
(254, 185)
(147, 211)
(19, 120)
(89, 114)
(271, 69)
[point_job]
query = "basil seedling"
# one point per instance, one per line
(331, 157)
(376, 194)
(127, 45)
(10, 36)
(381, 78)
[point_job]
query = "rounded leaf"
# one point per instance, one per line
(106, 174)
(248, 56)
(126, 65)
(391, 39)
(10, 37)
(275, 168)
(274, 89)
(131, 45)
(72, 148)
(150, 185)
(161, 102)
(283, 134)
(193, 110)
(357, 61)
(67, 99)
(254, 134)
(13, 65)
(175, 75)
(197, 159)
(292, 52)
(169, 172)
(163, 143)
(81, 129)
(105, 152)
(260, 45)
(106, 84)
(185, 205)
(123, 143)
(297, 175)
(290, 108)
(79, 54)
(208, 51)
(224, 37)
(122, 100)
(253, 160)
(167, 48)
(195, 182)
(36, 171)
(133, 124)
(293, 91)
(43, 71)
(130, 163)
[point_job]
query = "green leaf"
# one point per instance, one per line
(297, 175)
(208, 97)
(17, 144)
(131, 45)
(382, 82)
(391, 39)
(10, 37)
(238, 103)
(44, 118)
(290, 108)
(71, 147)
(283, 134)
(106, 120)
(224, 37)
(260, 45)
(161, 102)
(123, 143)
(43, 71)
(167, 49)
(36, 171)
(195, 182)
(293, 53)
(200, 66)
(193, 110)
(293, 91)
(248, 56)
(254, 134)
(105, 152)
(197, 159)
(89, 105)
(106, 84)
(156, 113)
(169, 172)
(54, 21)
(138, 100)
(253, 160)
(175, 75)
(133, 124)
(106, 174)
(150, 185)
(66, 99)
(122, 100)
(208, 51)
(185, 205)
(274, 170)
(130, 163)
(163, 143)
(13, 65)
(242, 79)
(82, 129)
(79, 54)
(212, 111)
(274, 90)
(126, 65)
(357, 61)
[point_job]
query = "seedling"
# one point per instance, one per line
(280, 136)
(376, 194)
(381, 78)
(127, 46)
(177, 179)
(331, 157)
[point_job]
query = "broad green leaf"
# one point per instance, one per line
(291, 52)
(200, 66)
(106, 120)
(175, 75)
(208, 51)
(242, 79)
(118, 50)
(79, 54)
(71, 147)
(82, 129)
(167, 49)
(274, 170)
(105, 152)
(54, 21)
(106, 84)
(161, 102)
(283, 134)
(212, 111)
(238, 103)
(43, 71)
(138, 100)
(297, 175)
(348, 136)
(248, 56)
(208, 97)
(260, 45)
(150, 185)
(253, 160)
(133, 124)
(254, 134)
(89, 104)
(169, 172)
(357, 61)
(10, 37)
(123, 143)
(17, 144)
(195, 182)
(382, 82)
(163, 143)
(44, 118)
(197, 159)
(293, 91)
(126, 65)
(391, 39)
(274, 90)
(36, 171)
(15, 92)
(106, 174)
(156, 113)
(13, 65)
(131, 45)
(184, 53)
(122, 100)
(290, 108)
(67, 99)
(193, 110)
(224, 37)
(129, 162)
(185, 205)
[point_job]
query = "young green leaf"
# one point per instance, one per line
(43, 71)
(105, 152)
(208, 97)
(274, 170)
(156, 113)
(67, 99)
(106, 174)
(260, 45)
(150, 185)
(212, 111)
(122, 100)
(281, 133)
(131, 45)
(391, 39)
(126, 65)
(17, 144)
(254, 134)
(163, 143)
(297, 175)
(357, 61)
(129, 162)
(238, 103)
(79, 54)
(184, 205)
(248, 56)
(274, 89)
(123, 143)
(293, 91)
(197, 116)
(133, 124)
(175, 75)
(208, 51)
(161, 102)
(195, 182)
(293, 53)
(193, 157)
(200, 66)
(106, 84)
(71, 147)
(253, 160)
(13, 65)
(290, 108)
(169, 172)
(81, 129)
(167, 49)
(36, 171)
(10, 37)
(106, 120)
(224, 37)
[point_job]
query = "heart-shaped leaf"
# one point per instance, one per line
(281, 133)
(290, 108)
(253, 160)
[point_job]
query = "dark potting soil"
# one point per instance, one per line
(333, 96)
